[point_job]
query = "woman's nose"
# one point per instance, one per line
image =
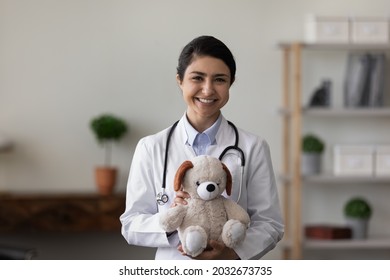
(208, 87)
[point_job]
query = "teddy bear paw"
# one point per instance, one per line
(195, 240)
(233, 233)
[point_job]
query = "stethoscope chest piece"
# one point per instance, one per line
(162, 198)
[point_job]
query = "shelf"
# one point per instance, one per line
(60, 212)
(371, 243)
(347, 112)
(294, 112)
(332, 179)
(341, 112)
(337, 47)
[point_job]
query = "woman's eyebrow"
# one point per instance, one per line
(198, 73)
(221, 75)
(204, 74)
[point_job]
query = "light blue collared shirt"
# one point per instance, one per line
(200, 141)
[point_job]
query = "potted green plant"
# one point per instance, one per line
(357, 212)
(108, 129)
(312, 149)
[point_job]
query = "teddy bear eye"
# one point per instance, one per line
(197, 183)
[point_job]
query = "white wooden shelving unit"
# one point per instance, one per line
(293, 114)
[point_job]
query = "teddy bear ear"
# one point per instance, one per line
(228, 179)
(181, 171)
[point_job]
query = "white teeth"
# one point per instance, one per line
(205, 100)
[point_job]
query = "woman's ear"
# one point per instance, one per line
(178, 80)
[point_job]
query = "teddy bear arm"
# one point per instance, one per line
(236, 212)
(173, 218)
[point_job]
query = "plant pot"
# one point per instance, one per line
(358, 226)
(310, 163)
(105, 178)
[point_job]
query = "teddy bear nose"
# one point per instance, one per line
(210, 188)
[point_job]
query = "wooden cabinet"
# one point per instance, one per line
(65, 213)
(294, 115)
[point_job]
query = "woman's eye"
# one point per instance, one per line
(197, 78)
(220, 80)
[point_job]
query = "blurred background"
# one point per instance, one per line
(62, 63)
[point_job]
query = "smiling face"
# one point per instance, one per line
(205, 87)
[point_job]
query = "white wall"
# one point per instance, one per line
(64, 62)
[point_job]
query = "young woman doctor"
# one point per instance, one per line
(205, 72)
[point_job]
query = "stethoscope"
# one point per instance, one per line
(163, 198)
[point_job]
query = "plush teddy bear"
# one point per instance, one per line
(208, 215)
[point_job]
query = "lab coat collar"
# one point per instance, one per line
(210, 132)
(222, 136)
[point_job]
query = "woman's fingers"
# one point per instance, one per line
(180, 198)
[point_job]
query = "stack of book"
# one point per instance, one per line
(364, 81)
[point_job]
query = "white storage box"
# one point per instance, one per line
(382, 161)
(370, 30)
(354, 160)
(321, 29)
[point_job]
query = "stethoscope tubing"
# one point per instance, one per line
(163, 198)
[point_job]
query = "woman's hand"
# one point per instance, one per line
(215, 250)
(180, 198)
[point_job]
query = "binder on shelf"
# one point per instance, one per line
(377, 80)
(364, 80)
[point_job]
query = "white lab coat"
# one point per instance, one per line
(140, 221)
